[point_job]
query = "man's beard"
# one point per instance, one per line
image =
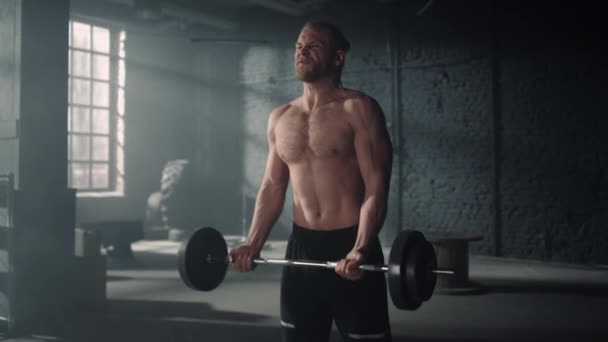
(314, 74)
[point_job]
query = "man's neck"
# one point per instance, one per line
(319, 93)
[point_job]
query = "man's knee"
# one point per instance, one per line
(382, 336)
(292, 333)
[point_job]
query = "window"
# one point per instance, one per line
(96, 109)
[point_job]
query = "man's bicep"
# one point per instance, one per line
(373, 144)
(376, 121)
(276, 172)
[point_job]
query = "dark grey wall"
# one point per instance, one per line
(219, 146)
(446, 119)
(553, 154)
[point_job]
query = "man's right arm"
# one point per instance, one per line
(271, 196)
(269, 202)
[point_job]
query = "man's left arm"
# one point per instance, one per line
(374, 152)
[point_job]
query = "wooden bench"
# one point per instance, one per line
(452, 249)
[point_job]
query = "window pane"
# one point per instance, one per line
(82, 64)
(101, 39)
(80, 148)
(100, 176)
(81, 92)
(101, 148)
(80, 175)
(82, 36)
(81, 120)
(69, 90)
(101, 94)
(101, 121)
(101, 67)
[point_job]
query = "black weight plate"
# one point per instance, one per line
(397, 270)
(419, 277)
(194, 264)
(429, 278)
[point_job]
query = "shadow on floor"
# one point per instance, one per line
(155, 331)
(143, 260)
(140, 309)
(549, 337)
(545, 287)
(134, 320)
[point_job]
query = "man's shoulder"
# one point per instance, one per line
(278, 111)
(355, 95)
(358, 102)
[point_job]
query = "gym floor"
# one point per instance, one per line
(521, 301)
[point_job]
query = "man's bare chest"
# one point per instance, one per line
(320, 134)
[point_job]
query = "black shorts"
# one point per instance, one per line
(311, 297)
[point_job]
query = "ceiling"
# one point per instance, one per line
(187, 17)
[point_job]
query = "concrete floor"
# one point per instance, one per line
(521, 301)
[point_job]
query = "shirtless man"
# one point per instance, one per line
(332, 143)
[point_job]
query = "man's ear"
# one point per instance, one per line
(340, 56)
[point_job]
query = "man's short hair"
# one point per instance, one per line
(337, 38)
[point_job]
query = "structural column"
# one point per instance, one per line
(43, 233)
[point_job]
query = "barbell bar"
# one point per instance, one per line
(327, 264)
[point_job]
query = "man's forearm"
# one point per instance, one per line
(268, 207)
(372, 216)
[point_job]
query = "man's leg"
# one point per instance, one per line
(361, 307)
(305, 311)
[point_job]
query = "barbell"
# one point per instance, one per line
(412, 267)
